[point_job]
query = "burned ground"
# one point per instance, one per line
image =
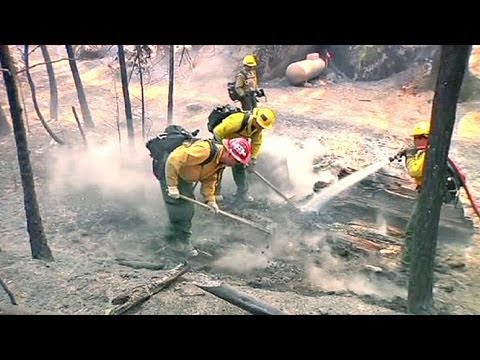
(101, 209)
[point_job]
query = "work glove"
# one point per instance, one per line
(408, 153)
(251, 166)
(173, 192)
(399, 155)
(213, 206)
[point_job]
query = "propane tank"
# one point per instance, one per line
(299, 72)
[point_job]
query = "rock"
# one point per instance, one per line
(372, 268)
(388, 252)
(190, 290)
(331, 77)
(320, 185)
(457, 264)
(376, 62)
(343, 172)
(448, 288)
(194, 107)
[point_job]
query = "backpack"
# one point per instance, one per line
(232, 93)
(174, 136)
(218, 114)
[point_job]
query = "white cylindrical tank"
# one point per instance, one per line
(299, 72)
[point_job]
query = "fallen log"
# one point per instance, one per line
(360, 244)
(141, 293)
(18, 310)
(237, 298)
(134, 264)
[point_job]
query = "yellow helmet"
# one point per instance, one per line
(421, 128)
(249, 60)
(265, 117)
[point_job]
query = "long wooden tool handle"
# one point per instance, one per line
(231, 216)
(270, 184)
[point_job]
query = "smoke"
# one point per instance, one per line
(328, 273)
(299, 159)
(103, 173)
(323, 279)
(242, 260)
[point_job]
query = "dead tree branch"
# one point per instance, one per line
(37, 108)
(80, 127)
(142, 293)
(9, 293)
(42, 63)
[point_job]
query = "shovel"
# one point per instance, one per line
(266, 230)
(273, 187)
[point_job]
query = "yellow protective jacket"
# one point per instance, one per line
(229, 129)
(186, 162)
(416, 166)
(246, 80)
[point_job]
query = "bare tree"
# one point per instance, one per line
(52, 82)
(453, 61)
(171, 71)
(87, 117)
(22, 99)
(126, 95)
(140, 73)
(38, 241)
(35, 103)
(4, 125)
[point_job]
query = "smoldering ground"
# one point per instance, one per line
(115, 197)
(292, 243)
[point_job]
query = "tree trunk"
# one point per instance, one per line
(453, 61)
(171, 71)
(126, 95)
(87, 117)
(22, 98)
(35, 103)
(140, 72)
(79, 125)
(38, 241)
(52, 82)
(4, 125)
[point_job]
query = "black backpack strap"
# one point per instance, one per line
(246, 116)
(213, 152)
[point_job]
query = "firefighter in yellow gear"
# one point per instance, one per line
(415, 158)
(415, 164)
(201, 161)
(231, 127)
(246, 83)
